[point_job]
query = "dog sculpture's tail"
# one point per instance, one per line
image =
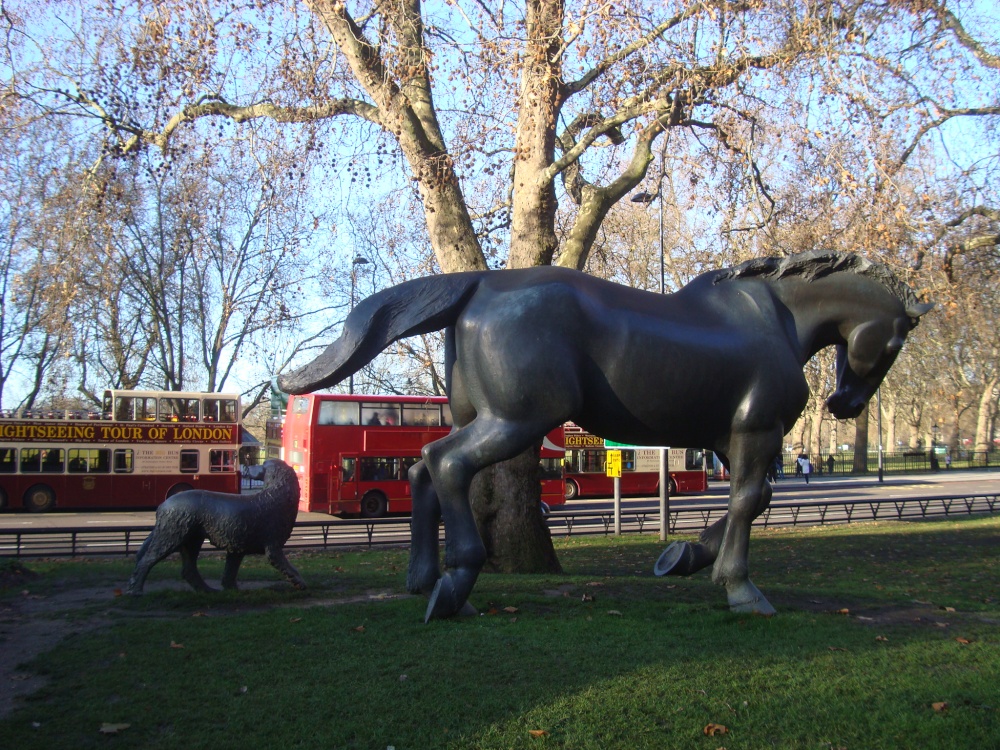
(407, 309)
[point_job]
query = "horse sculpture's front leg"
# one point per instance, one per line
(726, 542)
(750, 456)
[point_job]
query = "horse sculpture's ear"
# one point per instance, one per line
(915, 311)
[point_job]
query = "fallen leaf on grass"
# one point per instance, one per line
(107, 728)
(199, 614)
(359, 629)
(295, 619)
(176, 645)
(511, 610)
(587, 598)
(844, 611)
(881, 638)
(836, 648)
(119, 592)
(948, 609)
(963, 641)
(614, 612)
(538, 732)
(711, 730)
(940, 706)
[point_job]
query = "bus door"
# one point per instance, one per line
(348, 479)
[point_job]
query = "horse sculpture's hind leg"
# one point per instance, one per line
(453, 462)
(424, 570)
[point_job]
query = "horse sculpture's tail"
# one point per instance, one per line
(408, 309)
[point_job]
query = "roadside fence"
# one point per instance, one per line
(95, 540)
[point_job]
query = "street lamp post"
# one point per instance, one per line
(647, 198)
(358, 261)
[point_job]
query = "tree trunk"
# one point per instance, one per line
(889, 412)
(533, 239)
(506, 500)
(984, 420)
(797, 435)
(861, 442)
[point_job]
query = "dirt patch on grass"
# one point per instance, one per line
(32, 624)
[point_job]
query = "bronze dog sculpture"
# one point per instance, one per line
(716, 365)
(258, 524)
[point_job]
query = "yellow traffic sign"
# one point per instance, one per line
(613, 467)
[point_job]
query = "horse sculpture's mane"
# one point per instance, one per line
(815, 264)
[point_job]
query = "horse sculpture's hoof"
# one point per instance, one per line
(745, 598)
(683, 559)
(447, 599)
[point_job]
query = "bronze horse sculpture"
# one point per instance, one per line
(717, 364)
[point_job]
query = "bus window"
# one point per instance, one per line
(337, 413)
(123, 461)
(31, 460)
(380, 414)
(179, 409)
(145, 409)
(301, 405)
(378, 469)
(221, 460)
(88, 461)
(418, 415)
(446, 419)
(8, 460)
(189, 462)
(123, 409)
(135, 409)
(550, 468)
(347, 469)
(220, 410)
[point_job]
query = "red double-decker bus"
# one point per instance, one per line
(586, 457)
(352, 453)
(141, 448)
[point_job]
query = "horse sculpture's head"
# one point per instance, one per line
(864, 360)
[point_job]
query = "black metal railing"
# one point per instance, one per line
(690, 518)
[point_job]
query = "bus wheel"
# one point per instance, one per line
(39, 498)
(572, 490)
(672, 486)
(374, 505)
(178, 488)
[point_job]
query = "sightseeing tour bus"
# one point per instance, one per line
(141, 448)
(352, 453)
(586, 457)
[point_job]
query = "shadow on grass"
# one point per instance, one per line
(604, 656)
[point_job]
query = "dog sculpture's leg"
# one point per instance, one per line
(233, 561)
(190, 548)
(143, 564)
(277, 558)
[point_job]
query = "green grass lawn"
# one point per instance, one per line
(887, 636)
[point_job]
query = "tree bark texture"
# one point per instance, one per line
(506, 501)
